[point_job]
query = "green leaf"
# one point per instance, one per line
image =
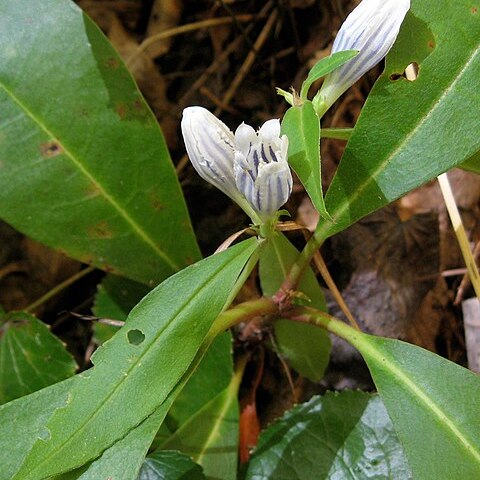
(23, 420)
(124, 459)
(211, 378)
(302, 127)
(174, 320)
(84, 166)
(306, 347)
(31, 357)
(324, 67)
(409, 132)
(211, 435)
(164, 465)
(472, 164)
(433, 404)
(338, 436)
(115, 298)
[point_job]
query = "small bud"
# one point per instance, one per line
(371, 28)
(250, 167)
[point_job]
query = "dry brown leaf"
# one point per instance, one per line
(148, 78)
(165, 15)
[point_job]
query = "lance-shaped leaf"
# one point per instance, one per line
(306, 347)
(411, 131)
(337, 436)
(210, 379)
(433, 404)
(210, 436)
(325, 66)
(302, 127)
(23, 420)
(124, 459)
(83, 165)
(31, 357)
(146, 359)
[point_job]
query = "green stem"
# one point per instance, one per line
(242, 313)
(326, 321)
(300, 264)
(56, 290)
(336, 133)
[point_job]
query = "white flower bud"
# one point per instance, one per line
(251, 168)
(371, 28)
(261, 169)
(211, 147)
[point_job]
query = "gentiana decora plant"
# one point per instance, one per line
(84, 169)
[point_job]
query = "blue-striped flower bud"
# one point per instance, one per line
(250, 167)
(371, 28)
(261, 169)
(211, 148)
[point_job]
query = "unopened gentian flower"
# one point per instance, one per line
(250, 167)
(371, 28)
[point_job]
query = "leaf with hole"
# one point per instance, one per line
(175, 319)
(84, 166)
(409, 132)
(31, 357)
(115, 298)
(337, 436)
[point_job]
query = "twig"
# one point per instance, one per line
(189, 27)
(13, 267)
(460, 232)
(322, 268)
(464, 284)
(285, 367)
(57, 289)
(249, 60)
(221, 58)
(106, 321)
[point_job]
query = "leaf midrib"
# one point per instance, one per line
(137, 229)
(386, 361)
(344, 205)
(79, 430)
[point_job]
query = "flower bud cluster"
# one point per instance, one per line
(250, 167)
